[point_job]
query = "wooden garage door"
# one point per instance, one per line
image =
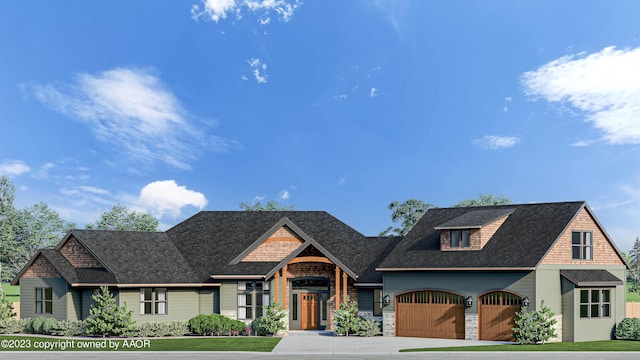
(428, 313)
(497, 312)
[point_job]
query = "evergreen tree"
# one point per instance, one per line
(346, 320)
(107, 318)
(635, 259)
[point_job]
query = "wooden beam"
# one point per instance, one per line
(344, 286)
(337, 287)
(277, 281)
(320, 259)
(285, 286)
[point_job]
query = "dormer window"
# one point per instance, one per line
(460, 238)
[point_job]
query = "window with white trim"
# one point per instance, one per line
(595, 303)
(582, 245)
(153, 301)
(253, 296)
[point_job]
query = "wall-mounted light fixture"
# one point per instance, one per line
(387, 299)
(469, 301)
(525, 301)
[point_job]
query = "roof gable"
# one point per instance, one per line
(275, 244)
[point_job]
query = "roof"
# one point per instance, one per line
(520, 243)
(591, 277)
(475, 219)
(133, 257)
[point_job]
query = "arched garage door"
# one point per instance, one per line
(429, 313)
(497, 312)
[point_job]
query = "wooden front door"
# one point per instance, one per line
(309, 311)
(497, 312)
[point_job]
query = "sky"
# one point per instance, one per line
(173, 107)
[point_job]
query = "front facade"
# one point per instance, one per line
(460, 273)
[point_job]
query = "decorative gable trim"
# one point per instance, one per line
(276, 247)
(73, 235)
(277, 226)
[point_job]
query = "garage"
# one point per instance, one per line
(431, 314)
(497, 312)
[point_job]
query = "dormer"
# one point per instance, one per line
(471, 230)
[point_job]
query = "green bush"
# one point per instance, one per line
(13, 326)
(273, 320)
(6, 308)
(256, 327)
(108, 318)
(215, 324)
(48, 325)
(162, 328)
(533, 327)
(69, 328)
(346, 319)
(369, 327)
(628, 329)
(35, 325)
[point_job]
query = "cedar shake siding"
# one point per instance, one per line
(78, 255)
(282, 243)
(604, 252)
(41, 268)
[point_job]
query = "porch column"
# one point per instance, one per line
(337, 287)
(277, 297)
(285, 299)
(344, 286)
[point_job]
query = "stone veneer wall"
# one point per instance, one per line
(388, 323)
(471, 326)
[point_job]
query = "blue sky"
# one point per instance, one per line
(173, 107)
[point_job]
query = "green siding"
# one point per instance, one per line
(365, 299)
(87, 301)
(462, 282)
(229, 296)
(182, 304)
(568, 309)
(28, 297)
(206, 301)
(548, 289)
(74, 305)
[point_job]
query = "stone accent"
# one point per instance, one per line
(603, 251)
(369, 316)
(78, 255)
(278, 246)
(388, 323)
(232, 314)
(471, 326)
(41, 268)
(558, 328)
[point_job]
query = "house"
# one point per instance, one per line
(463, 273)
(459, 273)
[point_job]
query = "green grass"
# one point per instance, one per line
(632, 296)
(609, 345)
(235, 343)
(12, 293)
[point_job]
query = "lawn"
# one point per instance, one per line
(235, 343)
(632, 296)
(12, 293)
(610, 345)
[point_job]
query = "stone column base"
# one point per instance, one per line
(471, 326)
(388, 323)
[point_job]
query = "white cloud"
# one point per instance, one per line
(508, 99)
(14, 168)
(216, 10)
(284, 194)
(373, 92)
(604, 85)
(493, 142)
(166, 197)
(134, 111)
(259, 70)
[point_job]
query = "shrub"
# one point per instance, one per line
(69, 328)
(6, 308)
(215, 324)
(273, 320)
(256, 326)
(163, 328)
(534, 327)
(35, 325)
(346, 319)
(107, 318)
(628, 329)
(369, 327)
(13, 326)
(48, 325)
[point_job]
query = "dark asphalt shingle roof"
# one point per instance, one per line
(136, 257)
(521, 242)
(476, 218)
(591, 277)
(74, 275)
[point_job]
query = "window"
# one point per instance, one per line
(582, 245)
(460, 238)
(44, 301)
(252, 297)
(153, 301)
(595, 303)
(377, 302)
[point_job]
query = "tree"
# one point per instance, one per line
(484, 200)
(8, 219)
(346, 320)
(273, 320)
(533, 327)
(121, 218)
(635, 258)
(407, 214)
(269, 206)
(107, 318)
